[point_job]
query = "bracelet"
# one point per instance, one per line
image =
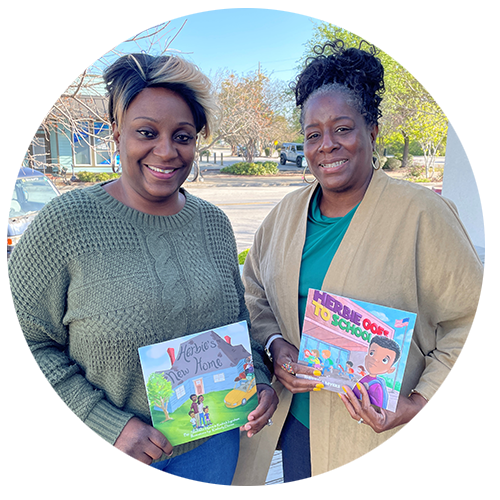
(269, 342)
(433, 408)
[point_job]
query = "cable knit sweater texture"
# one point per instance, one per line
(92, 280)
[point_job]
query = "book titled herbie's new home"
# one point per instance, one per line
(201, 384)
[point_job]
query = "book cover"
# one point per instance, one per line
(351, 341)
(201, 384)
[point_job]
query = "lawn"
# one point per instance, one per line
(180, 430)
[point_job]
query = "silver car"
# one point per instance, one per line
(292, 151)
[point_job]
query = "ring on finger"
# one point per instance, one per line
(360, 421)
(269, 422)
(288, 368)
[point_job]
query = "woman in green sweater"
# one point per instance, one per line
(105, 270)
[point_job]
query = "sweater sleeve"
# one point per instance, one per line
(264, 322)
(39, 280)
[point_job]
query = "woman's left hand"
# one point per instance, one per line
(260, 417)
(381, 420)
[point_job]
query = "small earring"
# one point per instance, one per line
(115, 167)
(376, 161)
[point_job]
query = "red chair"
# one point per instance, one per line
(454, 454)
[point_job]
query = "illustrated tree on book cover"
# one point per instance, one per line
(159, 392)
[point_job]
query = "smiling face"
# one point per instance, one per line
(379, 360)
(156, 141)
(338, 144)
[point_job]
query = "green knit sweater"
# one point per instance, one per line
(92, 280)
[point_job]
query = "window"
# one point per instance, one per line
(102, 145)
(92, 148)
(219, 377)
(180, 391)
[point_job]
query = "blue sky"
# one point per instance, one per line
(221, 39)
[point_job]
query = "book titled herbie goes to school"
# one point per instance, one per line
(201, 384)
(351, 341)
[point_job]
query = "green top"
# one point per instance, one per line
(93, 280)
(323, 238)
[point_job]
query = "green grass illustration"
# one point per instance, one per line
(179, 429)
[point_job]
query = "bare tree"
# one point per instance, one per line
(250, 112)
(252, 115)
(54, 56)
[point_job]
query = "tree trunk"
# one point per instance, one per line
(167, 416)
(406, 151)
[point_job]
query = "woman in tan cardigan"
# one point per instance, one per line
(357, 233)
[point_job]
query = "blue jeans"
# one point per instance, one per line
(211, 464)
(295, 450)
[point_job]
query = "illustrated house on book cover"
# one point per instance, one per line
(214, 369)
(351, 341)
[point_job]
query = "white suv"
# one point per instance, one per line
(292, 151)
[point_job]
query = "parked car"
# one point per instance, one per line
(292, 151)
(32, 192)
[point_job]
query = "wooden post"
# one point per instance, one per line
(215, 158)
(222, 159)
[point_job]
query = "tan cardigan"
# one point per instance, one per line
(405, 248)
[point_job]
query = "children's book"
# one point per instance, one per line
(201, 384)
(351, 341)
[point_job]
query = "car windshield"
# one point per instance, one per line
(30, 195)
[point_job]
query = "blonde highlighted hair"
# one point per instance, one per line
(132, 73)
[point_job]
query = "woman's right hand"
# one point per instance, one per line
(142, 441)
(284, 353)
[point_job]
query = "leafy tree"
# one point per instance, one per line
(355, 27)
(411, 113)
(417, 79)
(159, 392)
(429, 128)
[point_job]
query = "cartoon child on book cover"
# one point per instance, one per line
(381, 357)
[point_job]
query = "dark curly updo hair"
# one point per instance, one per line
(356, 72)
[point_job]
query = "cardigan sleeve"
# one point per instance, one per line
(449, 277)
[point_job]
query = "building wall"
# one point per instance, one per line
(464, 173)
(65, 152)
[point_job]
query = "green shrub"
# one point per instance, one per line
(267, 152)
(409, 160)
(101, 177)
(86, 176)
(242, 256)
(246, 168)
(392, 164)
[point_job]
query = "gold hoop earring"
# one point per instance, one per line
(376, 161)
(304, 175)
